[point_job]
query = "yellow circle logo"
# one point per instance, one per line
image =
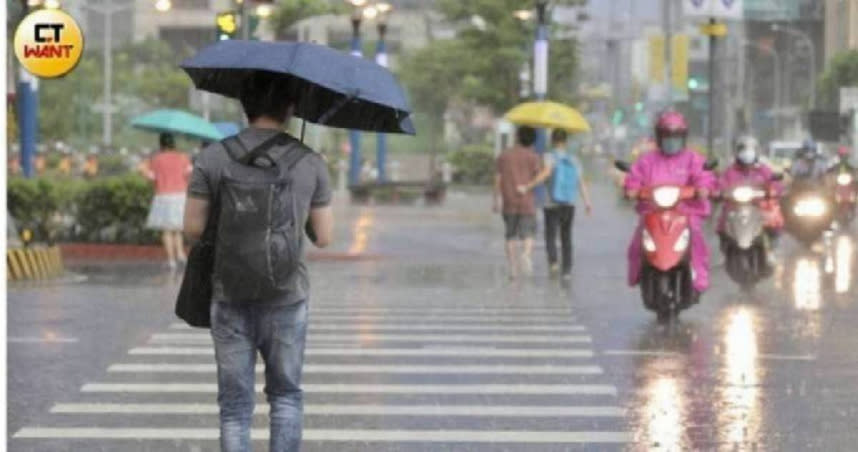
(48, 43)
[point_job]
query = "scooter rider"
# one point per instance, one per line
(672, 163)
(844, 162)
(809, 166)
(747, 169)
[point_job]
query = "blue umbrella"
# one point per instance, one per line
(333, 88)
(228, 129)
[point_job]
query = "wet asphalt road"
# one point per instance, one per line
(426, 347)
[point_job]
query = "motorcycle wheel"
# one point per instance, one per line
(743, 266)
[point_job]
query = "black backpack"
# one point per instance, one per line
(259, 234)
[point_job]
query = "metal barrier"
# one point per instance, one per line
(34, 263)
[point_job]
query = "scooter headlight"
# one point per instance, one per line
(743, 194)
(666, 197)
(682, 242)
(844, 179)
(810, 207)
(648, 243)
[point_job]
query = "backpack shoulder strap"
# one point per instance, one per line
(239, 153)
(290, 153)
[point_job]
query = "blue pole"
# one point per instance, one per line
(381, 139)
(540, 83)
(27, 98)
(354, 135)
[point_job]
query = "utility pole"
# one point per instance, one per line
(668, 51)
(714, 30)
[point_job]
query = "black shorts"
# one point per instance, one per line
(519, 227)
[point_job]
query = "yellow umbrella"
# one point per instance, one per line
(548, 115)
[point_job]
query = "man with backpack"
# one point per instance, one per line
(563, 171)
(256, 194)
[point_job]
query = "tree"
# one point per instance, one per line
(289, 12)
(145, 76)
(841, 72)
(482, 64)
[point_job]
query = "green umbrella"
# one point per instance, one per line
(180, 122)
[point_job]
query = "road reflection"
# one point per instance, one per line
(843, 259)
(807, 284)
(360, 232)
(740, 413)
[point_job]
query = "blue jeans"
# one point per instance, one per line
(279, 333)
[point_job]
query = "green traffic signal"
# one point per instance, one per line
(693, 83)
(639, 106)
(618, 116)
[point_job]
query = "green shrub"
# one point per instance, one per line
(113, 165)
(473, 164)
(40, 205)
(114, 209)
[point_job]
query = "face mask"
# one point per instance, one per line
(746, 156)
(672, 145)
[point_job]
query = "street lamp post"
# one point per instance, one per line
(809, 42)
(108, 9)
(381, 59)
(777, 102)
(540, 78)
(354, 135)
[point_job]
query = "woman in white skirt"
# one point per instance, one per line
(170, 171)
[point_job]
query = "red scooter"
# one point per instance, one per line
(666, 275)
(844, 197)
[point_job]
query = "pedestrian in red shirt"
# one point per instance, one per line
(170, 171)
(516, 167)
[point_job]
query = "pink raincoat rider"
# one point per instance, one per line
(757, 175)
(673, 164)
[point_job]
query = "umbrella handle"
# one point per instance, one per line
(336, 107)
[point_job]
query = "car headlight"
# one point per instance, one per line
(743, 194)
(809, 207)
(682, 242)
(665, 197)
(648, 243)
(844, 179)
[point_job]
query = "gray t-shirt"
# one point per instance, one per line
(310, 184)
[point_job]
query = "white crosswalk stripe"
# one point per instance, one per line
(512, 375)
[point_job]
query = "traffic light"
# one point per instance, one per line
(693, 83)
(639, 107)
(618, 117)
(227, 25)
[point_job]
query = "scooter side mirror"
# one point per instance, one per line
(622, 165)
(710, 164)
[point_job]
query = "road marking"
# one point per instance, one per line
(640, 353)
(442, 310)
(788, 357)
(350, 410)
(42, 340)
(454, 319)
(500, 369)
(337, 388)
(452, 436)
(667, 353)
(410, 327)
(371, 337)
(470, 351)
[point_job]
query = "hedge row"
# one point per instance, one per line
(109, 210)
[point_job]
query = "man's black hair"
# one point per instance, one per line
(558, 136)
(266, 94)
(526, 136)
(166, 140)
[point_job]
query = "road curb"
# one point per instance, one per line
(34, 263)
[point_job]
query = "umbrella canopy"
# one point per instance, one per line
(548, 115)
(330, 87)
(228, 129)
(179, 122)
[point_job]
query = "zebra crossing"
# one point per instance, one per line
(397, 378)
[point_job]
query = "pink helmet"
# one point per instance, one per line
(843, 151)
(670, 122)
(670, 132)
